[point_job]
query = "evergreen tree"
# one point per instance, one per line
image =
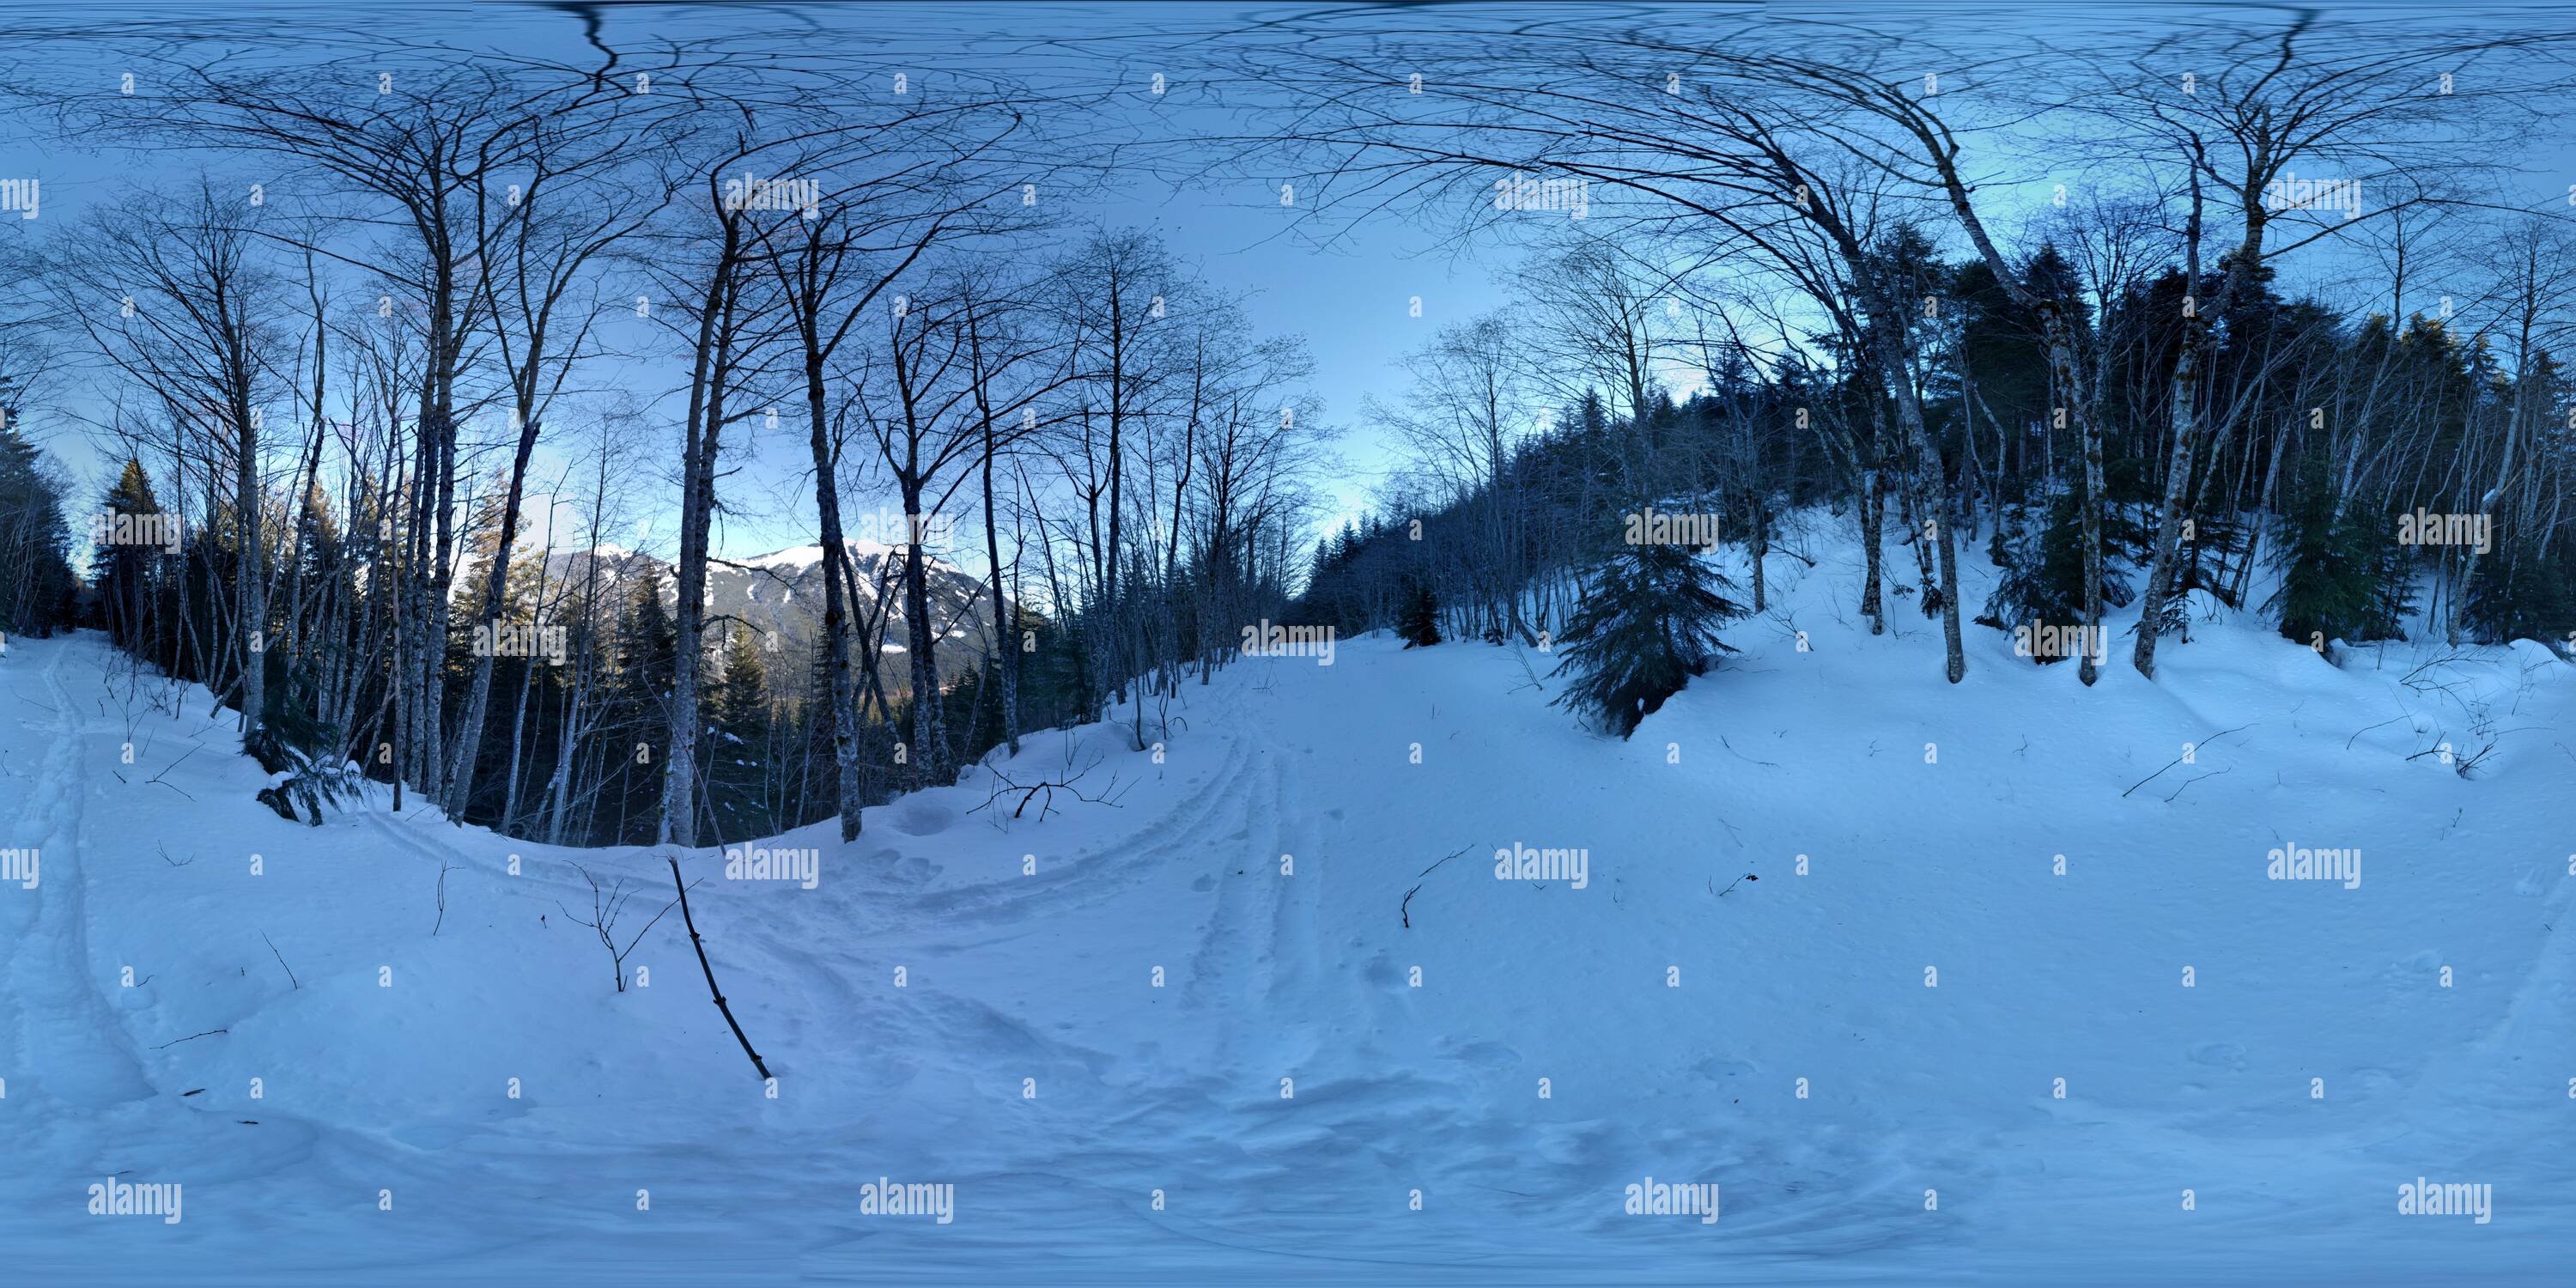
(2530, 596)
(647, 654)
(2043, 567)
(647, 642)
(2343, 576)
(1647, 623)
(36, 580)
(126, 573)
(1420, 623)
(739, 742)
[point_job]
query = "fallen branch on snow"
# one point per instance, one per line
(2178, 760)
(1405, 909)
(712, 990)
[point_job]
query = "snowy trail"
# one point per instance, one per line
(65, 1025)
(968, 998)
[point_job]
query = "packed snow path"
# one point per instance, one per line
(1293, 1083)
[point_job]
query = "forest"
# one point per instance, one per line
(2253, 311)
(1640, 641)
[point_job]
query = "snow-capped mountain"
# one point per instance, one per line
(782, 591)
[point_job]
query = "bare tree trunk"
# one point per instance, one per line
(2160, 580)
(711, 377)
(929, 731)
(1006, 652)
(2069, 379)
(496, 598)
(837, 576)
(1872, 512)
(249, 585)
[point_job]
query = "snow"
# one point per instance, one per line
(797, 558)
(1940, 857)
(808, 556)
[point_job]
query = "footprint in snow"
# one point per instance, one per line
(907, 869)
(922, 818)
(1715, 1067)
(2223, 1055)
(1483, 1055)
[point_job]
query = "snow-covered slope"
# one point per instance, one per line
(1370, 1060)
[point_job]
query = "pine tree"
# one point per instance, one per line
(1647, 624)
(1419, 625)
(646, 640)
(2343, 577)
(36, 578)
(739, 744)
(125, 582)
(647, 652)
(2524, 596)
(2043, 567)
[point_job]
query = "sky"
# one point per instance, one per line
(1351, 300)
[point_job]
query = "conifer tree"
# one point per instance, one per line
(647, 645)
(740, 744)
(1646, 624)
(2043, 568)
(2344, 577)
(2524, 596)
(125, 581)
(1419, 626)
(36, 582)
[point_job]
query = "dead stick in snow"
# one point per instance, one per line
(1405, 909)
(712, 990)
(281, 960)
(2178, 759)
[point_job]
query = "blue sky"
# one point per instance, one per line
(1350, 301)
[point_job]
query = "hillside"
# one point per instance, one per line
(1734, 992)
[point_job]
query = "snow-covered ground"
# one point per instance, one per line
(1737, 991)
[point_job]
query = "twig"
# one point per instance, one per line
(1029, 791)
(712, 990)
(2178, 759)
(190, 1038)
(156, 778)
(2357, 733)
(1730, 748)
(1405, 909)
(281, 959)
(604, 908)
(2186, 783)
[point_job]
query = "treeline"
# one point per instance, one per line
(38, 590)
(2387, 476)
(365, 365)
(329, 361)
(2116, 398)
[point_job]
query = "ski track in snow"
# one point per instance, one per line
(65, 1027)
